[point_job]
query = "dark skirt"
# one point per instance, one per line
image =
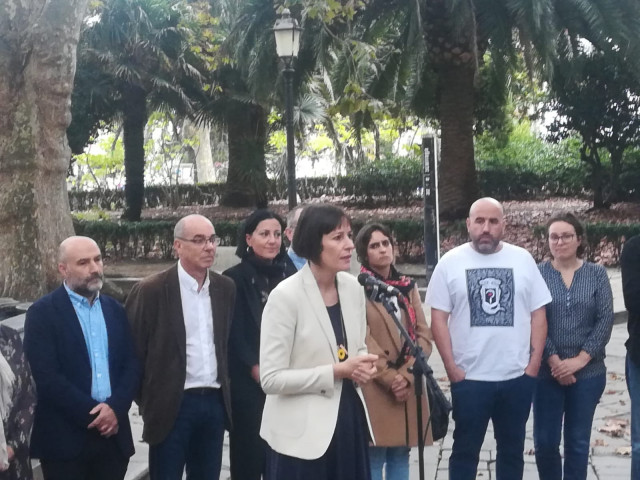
(347, 457)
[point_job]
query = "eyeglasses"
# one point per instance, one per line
(201, 240)
(565, 237)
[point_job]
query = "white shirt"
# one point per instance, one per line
(490, 299)
(202, 366)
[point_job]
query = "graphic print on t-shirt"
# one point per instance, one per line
(490, 292)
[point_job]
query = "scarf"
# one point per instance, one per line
(267, 274)
(405, 285)
(7, 378)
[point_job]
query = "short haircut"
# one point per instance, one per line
(249, 226)
(316, 221)
(364, 237)
(577, 225)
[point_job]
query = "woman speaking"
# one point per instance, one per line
(313, 358)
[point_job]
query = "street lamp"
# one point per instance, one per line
(287, 33)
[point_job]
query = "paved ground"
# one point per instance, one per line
(610, 447)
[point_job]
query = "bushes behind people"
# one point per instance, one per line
(154, 238)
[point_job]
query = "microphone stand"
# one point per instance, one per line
(420, 367)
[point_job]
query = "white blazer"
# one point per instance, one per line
(297, 352)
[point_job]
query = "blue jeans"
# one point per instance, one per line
(577, 403)
(507, 404)
(195, 441)
(633, 384)
(394, 460)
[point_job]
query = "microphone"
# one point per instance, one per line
(376, 287)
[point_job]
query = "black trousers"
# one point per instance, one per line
(100, 459)
(247, 449)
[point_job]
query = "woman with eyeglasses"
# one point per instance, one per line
(263, 265)
(390, 396)
(314, 359)
(573, 374)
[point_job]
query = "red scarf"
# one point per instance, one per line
(405, 285)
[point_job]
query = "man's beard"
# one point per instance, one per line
(91, 286)
(486, 247)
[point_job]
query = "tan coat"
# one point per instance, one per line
(394, 423)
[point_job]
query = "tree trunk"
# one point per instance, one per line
(590, 156)
(37, 66)
(135, 119)
(458, 185)
(205, 172)
(247, 178)
(616, 171)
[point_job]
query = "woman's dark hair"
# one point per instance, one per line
(577, 225)
(364, 237)
(249, 226)
(315, 221)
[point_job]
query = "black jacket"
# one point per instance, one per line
(630, 263)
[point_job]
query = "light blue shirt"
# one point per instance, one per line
(299, 262)
(94, 330)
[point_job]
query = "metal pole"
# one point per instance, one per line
(431, 214)
(291, 147)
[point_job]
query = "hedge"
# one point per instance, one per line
(154, 238)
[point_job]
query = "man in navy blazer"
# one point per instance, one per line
(79, 346)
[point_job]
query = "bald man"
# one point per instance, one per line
(79, 346)
(488, 320)
(180, 319)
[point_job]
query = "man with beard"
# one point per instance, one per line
(81, 354)
(488, 320)
(180, 320)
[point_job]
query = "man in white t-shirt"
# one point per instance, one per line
(488, 319)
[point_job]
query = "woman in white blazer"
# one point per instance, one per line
(313, 357)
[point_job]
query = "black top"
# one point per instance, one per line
(630, 264)
(335, 315)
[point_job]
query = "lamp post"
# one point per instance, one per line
(287, 33)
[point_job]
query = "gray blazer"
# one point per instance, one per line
(154, 308)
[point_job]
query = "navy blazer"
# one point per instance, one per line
(57, 353)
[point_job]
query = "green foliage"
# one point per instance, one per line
(142, 239)
(101, 166)
(596, 96)
(526, 167)
(396, 178)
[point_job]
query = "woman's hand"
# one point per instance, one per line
(10, 455)
(255, 373)
(570, 366)
(568, 380)
(400, 388)
(360, 368)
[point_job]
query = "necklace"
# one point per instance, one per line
(343, 353)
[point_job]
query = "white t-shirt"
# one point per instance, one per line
(490, 299)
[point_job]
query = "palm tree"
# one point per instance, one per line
(140, 52)
(447, 41)
(247, 88)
